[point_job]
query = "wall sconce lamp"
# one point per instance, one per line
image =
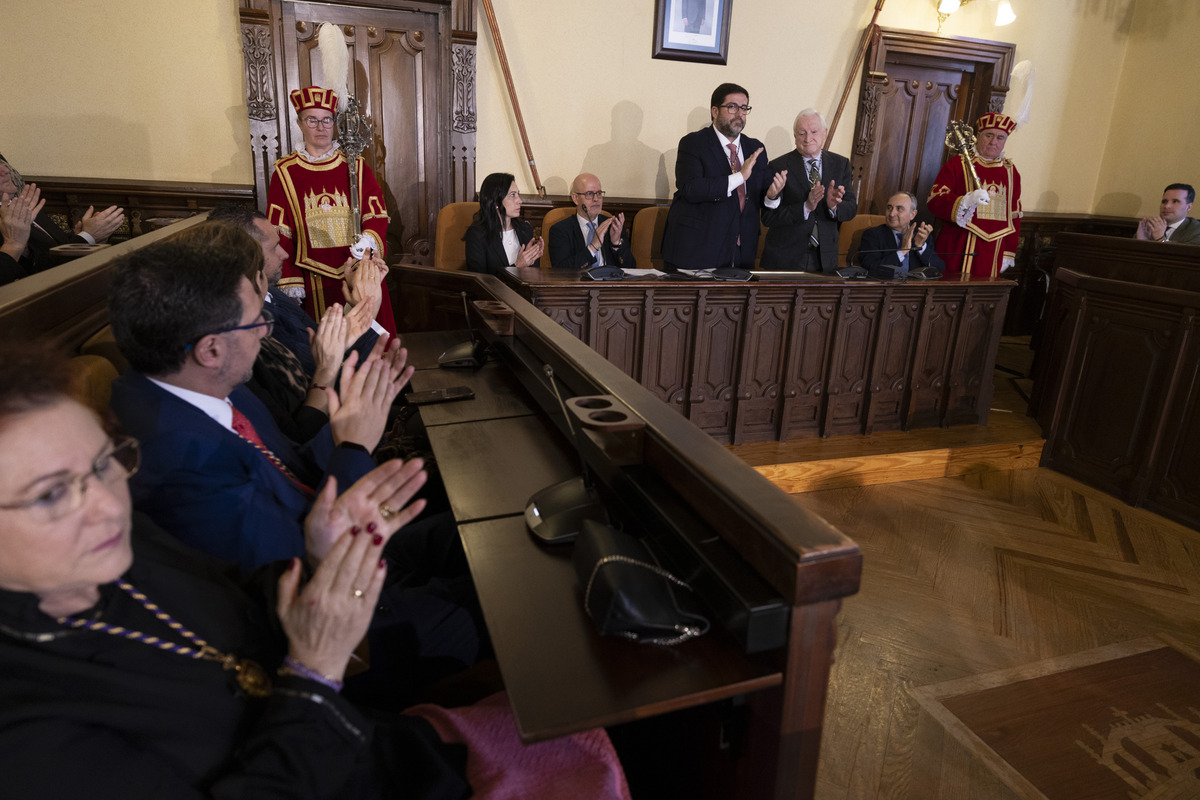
(1004, 10)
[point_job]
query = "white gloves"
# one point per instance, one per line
(966, 208)
(364, 243)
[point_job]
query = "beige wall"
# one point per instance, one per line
(138, 89)
(628, 121)
(1152, 141)
(113, 100)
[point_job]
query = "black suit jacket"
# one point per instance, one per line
(292, 323)
(878, 248)
(704, 222)
(37, 255)
(568, 250)
(488, 256)
(787, 245)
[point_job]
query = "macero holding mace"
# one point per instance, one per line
(977, 195)
(326, 204)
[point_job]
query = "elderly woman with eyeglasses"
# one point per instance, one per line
(498, 237)
(308, 201)
(134, 667)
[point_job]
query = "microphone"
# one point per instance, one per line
(471, 354)
(556, 514)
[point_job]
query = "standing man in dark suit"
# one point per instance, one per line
(720, 184)
(586, 240)
(803, 231)
(892, 249)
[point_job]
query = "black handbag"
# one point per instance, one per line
(626, 594)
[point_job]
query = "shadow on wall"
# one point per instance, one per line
(624, 160)
(699, 117)
(778, 141)
(1119, 204)
(1046, 204)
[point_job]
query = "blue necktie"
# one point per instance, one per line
(591, 234)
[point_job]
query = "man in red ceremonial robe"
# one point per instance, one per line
(982, 223)
(309, 203)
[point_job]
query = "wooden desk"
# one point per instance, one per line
(780, 358)
(751, 721)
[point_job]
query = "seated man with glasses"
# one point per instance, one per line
(217, 471)
(587, 240)
(721, 183)
(308, 202)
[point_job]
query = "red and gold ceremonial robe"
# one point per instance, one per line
(991, 235)
(309, 203)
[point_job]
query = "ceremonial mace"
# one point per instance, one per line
(960, 138)
(354, 134)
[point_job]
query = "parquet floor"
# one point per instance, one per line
(972, 574)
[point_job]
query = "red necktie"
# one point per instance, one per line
(243, 428)
(736, 163)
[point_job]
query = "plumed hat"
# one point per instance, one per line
(314, 97)
(995, 120)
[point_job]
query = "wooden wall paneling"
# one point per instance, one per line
(613, 326)
(265, 107)
(1125, 358)
(757, 400)
(463, 115)
(926, 403)
(806, 369)
(1060, 331)
(890, 367)
(854, 344)
(1174, 480)
(715, 356)
(969, 396)
(667, 347)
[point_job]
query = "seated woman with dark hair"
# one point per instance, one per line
(498, 238)
(135, 667)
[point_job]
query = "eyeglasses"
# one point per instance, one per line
(265, 319)
(591, 195)
(734, 107)
(61, 498)
(318, 122)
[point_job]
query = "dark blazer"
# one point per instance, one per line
(1188, 232)
(704, 222)
(488, 256)
(787, 245)
(292, 324)
(37, 253)
(568, 250)
(878, 248)
(214, 490)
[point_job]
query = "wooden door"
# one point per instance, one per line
(398, 71)
(914, 85)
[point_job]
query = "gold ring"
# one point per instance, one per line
(386, 511)
(358, 592)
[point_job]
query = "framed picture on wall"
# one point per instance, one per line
(692, 30)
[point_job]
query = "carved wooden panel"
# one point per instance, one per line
(715, 356)
(850, 362)
(757, 401)
(807, 362)
(777, 360)
(969, 396)
(1120, 373)
(667, 351)
(1174, 483)
(890, 370)
(938, 326)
